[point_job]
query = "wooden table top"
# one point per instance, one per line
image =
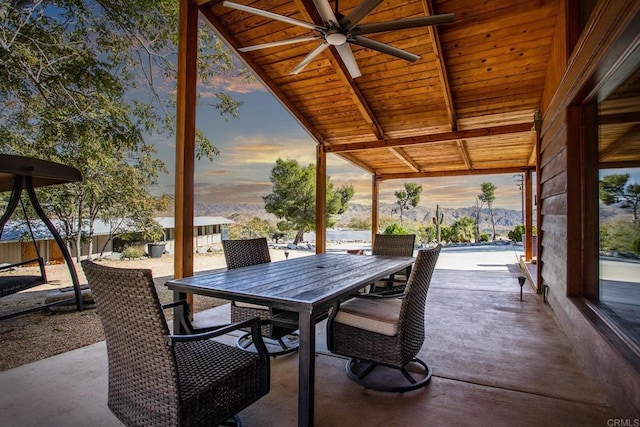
(298, 284)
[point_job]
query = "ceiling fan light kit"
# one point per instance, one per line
(341, 31)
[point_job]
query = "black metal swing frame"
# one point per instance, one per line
(18, 173)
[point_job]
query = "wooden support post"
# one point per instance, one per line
(185, 139)
(537, 120)
(375, 191)
(321, 199)
(528, 215)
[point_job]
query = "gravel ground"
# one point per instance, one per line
(31, 337)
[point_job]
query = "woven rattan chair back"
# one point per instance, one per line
(412, 310)
(393, 244)
(243, 253)
(143, 375)
(368, 348)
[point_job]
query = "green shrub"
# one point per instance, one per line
(133, 252)
(446, 234)
(518, 231)
(621, 236)
(394, 229)
(484, 237)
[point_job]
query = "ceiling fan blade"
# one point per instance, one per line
(358, 14)
(315, 52)
(271, 15)
(349, 61)
(402, 24)
(384, 48)
(326, 13)
(279, 43)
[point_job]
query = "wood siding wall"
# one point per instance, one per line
(563, 217)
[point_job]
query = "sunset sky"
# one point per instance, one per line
(265, 131)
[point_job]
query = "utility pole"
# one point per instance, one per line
(519, 181)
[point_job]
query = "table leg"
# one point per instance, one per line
(178, 311)
(306, 368)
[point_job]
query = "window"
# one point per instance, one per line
(618, 295)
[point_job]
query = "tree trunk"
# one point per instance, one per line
(299, 236)
(493, 223)
(79, 235)
(105, 245)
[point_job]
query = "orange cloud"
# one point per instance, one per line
(236, 84)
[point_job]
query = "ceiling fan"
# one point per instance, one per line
(340, 30)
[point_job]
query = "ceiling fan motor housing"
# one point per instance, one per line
(335, 38)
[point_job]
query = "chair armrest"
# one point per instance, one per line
(378, 296)
(184, 316)
(256, 334)
(175, 304)
(219, 330)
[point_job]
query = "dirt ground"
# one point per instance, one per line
(31, 337)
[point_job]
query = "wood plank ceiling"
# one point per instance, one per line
(467, 106)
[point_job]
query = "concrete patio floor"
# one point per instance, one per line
(496, 361)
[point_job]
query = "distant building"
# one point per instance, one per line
(16, 244)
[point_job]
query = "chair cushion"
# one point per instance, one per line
(371, 314)
(249, 305)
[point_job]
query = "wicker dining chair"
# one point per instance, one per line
(279, 328)
(158, 379)
(386, 332)
(393, 245)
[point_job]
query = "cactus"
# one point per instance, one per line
(437, 221)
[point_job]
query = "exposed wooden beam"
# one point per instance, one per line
(357, 162)
(620, 165)
(631, 135)
(532, 156)
(537, 125)
(405, 158)
(427, 139)
(464, 154)
(222, 32)
(310, 13)
(415, 175)
(442, 69)
(612, 119)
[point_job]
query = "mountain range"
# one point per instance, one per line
(506, 219)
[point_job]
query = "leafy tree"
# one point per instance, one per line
(463, 229)
(615, 189)
(408, 198)
(81, 83)
(292, 198)
(250, 227)
(488, 196)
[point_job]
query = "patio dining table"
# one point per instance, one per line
(306, 285)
